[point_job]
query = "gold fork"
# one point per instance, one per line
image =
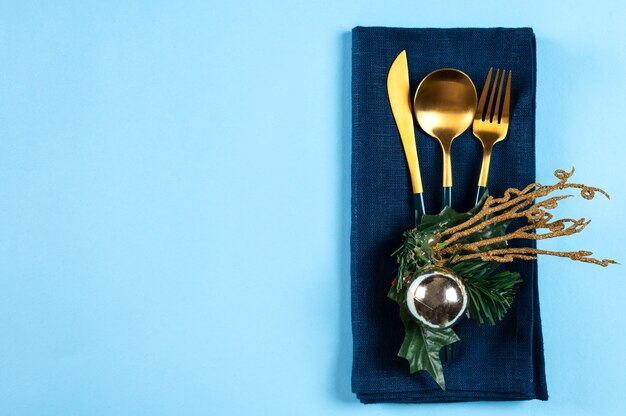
(490, 124)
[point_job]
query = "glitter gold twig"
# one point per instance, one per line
(518, 204)
(506, 255)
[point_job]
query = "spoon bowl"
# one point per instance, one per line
(444, 105)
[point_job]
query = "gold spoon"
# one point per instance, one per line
(444, 105)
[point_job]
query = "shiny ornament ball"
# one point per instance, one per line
(437, 297)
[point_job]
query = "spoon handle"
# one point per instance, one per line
(447, 173)
(447, 196)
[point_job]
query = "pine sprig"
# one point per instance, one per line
(490, 292)
(414, 253)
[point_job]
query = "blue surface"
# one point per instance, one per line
(174, 200)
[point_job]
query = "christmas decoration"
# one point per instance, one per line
(452, 264)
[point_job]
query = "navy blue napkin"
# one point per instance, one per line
(504, 362)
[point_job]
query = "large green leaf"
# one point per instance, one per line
(449, 218)
(421, 349)
(421, 345)
(445, 219)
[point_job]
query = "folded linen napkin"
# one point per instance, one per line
(504, 362)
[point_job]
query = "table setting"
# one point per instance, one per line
(446, 215)
(422, 176)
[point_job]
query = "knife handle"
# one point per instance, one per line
(418, 203)
(447, 196)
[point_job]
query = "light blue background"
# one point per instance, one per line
(174, 204)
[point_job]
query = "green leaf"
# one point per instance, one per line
(396, 295)
(421, 349)
(445, 219)
(421, 345)
(449, 218)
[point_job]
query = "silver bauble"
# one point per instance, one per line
(436, 297)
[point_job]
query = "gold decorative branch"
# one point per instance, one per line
(506, 255)
(518, 204)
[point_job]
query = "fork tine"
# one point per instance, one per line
(489, 114)
(496, 110)
(480, 109)
(507, 100)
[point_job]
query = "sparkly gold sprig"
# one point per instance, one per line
(516, 204)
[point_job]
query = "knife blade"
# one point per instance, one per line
(398, 90)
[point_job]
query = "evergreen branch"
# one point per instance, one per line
(490, 293)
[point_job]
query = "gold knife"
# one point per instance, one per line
(400, 101)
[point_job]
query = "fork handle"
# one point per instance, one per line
(481, 191)
(484, 169)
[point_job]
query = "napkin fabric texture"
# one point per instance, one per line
(502, 362)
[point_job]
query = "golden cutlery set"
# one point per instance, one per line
(446, 105)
